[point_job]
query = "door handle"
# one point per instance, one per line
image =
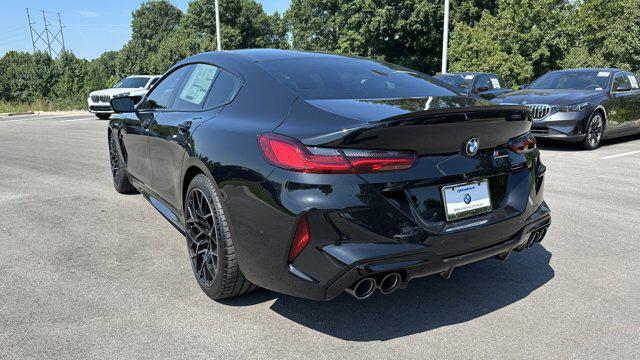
(185, 126)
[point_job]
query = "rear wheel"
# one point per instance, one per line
(120, 179)
(594, 132)
(209, 242)
(103, 116)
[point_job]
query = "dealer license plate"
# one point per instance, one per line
(464, 200)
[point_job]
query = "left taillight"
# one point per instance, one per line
(523, 144)
(291, 154)
(300, 239)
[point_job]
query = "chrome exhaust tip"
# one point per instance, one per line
(363, 288)
(389, 283)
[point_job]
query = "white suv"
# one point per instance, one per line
(135, 85)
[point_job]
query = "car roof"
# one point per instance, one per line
(259, 55)
(588, 69)
(463, 73)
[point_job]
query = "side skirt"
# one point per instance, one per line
(174, 216)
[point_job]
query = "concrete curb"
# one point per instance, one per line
(21, 113)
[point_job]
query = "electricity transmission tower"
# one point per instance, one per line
(46, 37)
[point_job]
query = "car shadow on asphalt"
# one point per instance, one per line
(428, 303)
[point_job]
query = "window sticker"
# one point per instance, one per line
(495, 83)
(198, 84)
(604, 74)
(468, 77)
(633, 81)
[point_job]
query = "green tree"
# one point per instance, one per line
(151, 23)
(531, 36)
(71, 75)
(102, 71)
(408, 33)
(314, 24)
(607, 35)
(470, 11)
(25, 77)
(243, 24)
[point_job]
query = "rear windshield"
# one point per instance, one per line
(332, 78)
(573, 80)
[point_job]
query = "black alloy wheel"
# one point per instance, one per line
(210, 244)
(202, 237)
(595, 130)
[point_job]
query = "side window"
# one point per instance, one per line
(619, 80)
(633, 80)
(193, 92)
(496, 82)
(483, 81)
(223, 90)
(162, 95)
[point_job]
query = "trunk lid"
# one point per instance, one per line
(428, 126)
(437, 129)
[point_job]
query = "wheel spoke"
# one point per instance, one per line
(202, 234)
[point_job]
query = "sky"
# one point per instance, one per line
(90, 27)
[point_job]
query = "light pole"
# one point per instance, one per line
(445, 36)
(218, 26)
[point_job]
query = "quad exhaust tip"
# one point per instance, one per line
(389, 283)
(534, 238)
(363, 288)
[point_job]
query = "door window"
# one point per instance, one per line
(194, 90)
(483, 81)
(633, 80)
(162, 95)
(620, 79)
(224, 88)
(496, 82)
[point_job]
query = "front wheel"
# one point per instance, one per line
(209, 242)
(594, 132)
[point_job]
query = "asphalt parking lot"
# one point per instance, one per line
(88, 273)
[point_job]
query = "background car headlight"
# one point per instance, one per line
(574, 107)
(121, 95)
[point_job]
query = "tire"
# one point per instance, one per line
(593, 132)
(118, 171)
(103, 116)
(210, 243)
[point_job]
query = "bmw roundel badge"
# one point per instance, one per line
(467, 199)
(472, 147)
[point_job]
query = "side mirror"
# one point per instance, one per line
(623, 88)
(124, 104)
(523, 86)
(482, 89)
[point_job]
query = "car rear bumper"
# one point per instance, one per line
(356, 230)
(426, 263)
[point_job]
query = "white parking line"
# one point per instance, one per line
(41, 117)
(74, 120)
(620, 155)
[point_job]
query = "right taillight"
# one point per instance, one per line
(291, 154)
(523, 144)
